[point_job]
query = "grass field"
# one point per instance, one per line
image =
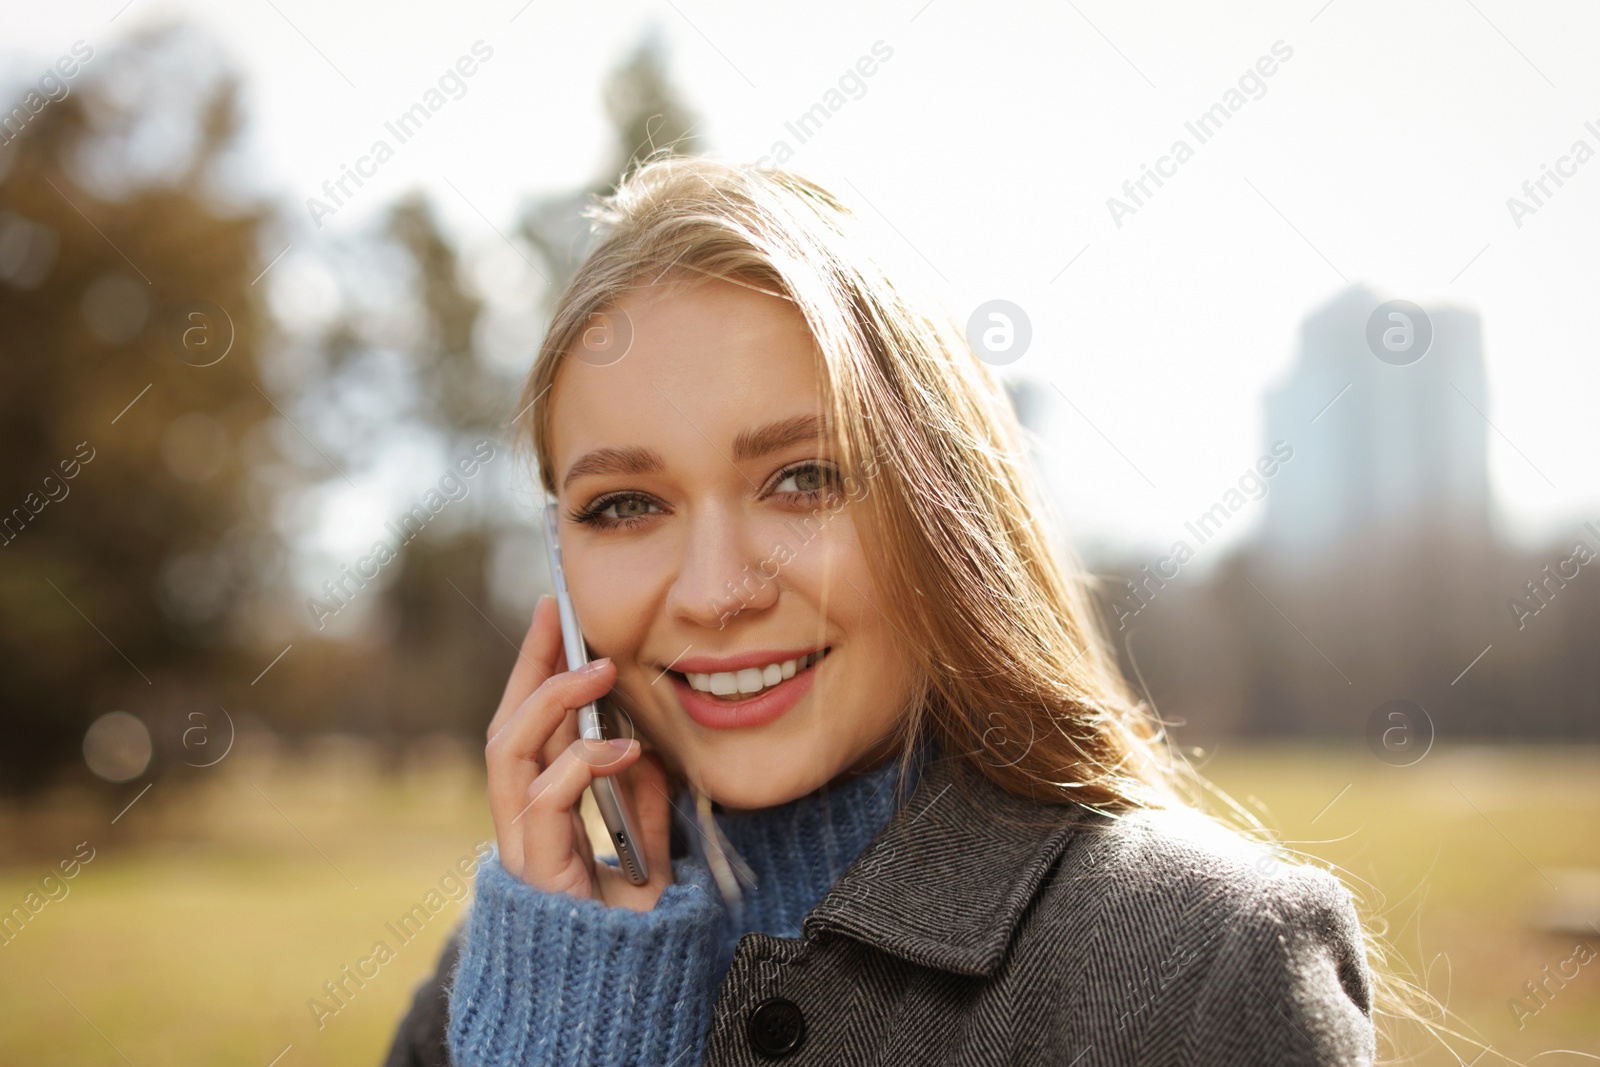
(217, 905)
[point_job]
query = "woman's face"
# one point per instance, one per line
(717, 547)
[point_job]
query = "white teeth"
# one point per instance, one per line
(751, 679)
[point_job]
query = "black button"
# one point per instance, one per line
(776, 1027)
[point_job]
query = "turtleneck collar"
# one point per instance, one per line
(798, 849)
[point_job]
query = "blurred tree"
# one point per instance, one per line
(463, 395)
(453, 650)
(645, 111)
(147, 469)
(649, 119)
(449, 649)
(441, 640)
(129, 530)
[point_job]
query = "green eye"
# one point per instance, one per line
(807, 479)
(616, 512)
(629, 508)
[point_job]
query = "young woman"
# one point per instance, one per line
(799, 529)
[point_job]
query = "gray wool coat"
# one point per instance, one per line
(978, 928)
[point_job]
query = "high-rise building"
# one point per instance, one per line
(1384, 449)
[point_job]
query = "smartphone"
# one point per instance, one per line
(607, 797)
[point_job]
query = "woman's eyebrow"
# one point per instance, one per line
(775, 436)
(631, 459)
(747, 444)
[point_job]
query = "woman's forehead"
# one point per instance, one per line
(711, 361)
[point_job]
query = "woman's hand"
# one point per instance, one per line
(539, 768)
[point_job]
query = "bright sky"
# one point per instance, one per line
(1382, 151)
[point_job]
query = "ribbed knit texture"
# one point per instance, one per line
(549, 979)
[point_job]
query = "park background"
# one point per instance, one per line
(261, 796)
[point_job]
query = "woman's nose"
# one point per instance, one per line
(721, 572)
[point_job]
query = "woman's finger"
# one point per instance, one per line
(561, 737)
(537, 660)
(551, 860)
(653, 809)
(513, 754)
(580, 841)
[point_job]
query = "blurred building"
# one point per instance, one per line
(1381, 451)
(1376, 575)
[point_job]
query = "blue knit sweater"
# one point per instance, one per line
(550, 979)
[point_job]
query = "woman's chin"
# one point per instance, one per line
(756, 783)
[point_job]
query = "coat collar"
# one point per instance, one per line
(945, 882)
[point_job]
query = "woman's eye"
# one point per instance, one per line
(629, 508)
(807, 479)
(616, 511)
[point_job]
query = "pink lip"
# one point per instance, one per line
(758, 658)
(764, 707)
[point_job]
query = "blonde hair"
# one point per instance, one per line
(1015, 674)
(1014, 671)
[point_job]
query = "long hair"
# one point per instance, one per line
(1015, 673)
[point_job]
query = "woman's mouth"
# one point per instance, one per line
(750, 696)
(734, 686)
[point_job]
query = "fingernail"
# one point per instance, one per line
(593, 666)
(621, 744)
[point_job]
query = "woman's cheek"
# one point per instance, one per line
(604, 607)
(591, 599)
(831, 562)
